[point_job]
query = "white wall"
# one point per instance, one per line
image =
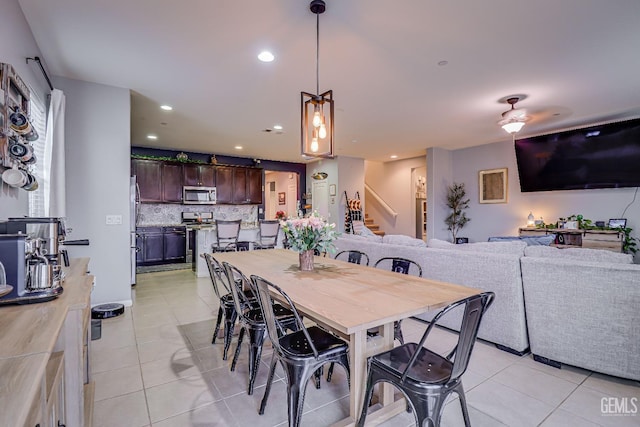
(439, 177)
(505, 219)
(347, 174)
(18, 44)
(351, 179)
(97, 146)
(393, 182)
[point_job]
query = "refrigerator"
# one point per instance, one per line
(134, 200)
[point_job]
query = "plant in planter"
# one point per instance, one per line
(457, 201)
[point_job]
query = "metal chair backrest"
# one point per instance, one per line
(238, 282)
(353, 256)
(264, 288)
(269, 230)
(399, 265)
(227, 232)
(216, 272)
(474, 308)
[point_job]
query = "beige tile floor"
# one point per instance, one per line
(155, 366)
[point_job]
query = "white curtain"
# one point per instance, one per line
(54, 168)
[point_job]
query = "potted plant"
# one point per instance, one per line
(307, 235)
(458, 202)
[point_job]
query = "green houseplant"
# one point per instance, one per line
(458, 202)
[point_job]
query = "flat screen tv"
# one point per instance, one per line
(603, 156)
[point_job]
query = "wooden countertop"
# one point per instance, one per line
(28, 334)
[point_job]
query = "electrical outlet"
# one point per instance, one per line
(114, 219)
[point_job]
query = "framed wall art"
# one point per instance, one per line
(282, 198)
(493, 185)
(332, 190)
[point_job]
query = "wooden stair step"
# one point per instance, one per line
(373, 227)
(378, 233)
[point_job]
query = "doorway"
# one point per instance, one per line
(281, 193)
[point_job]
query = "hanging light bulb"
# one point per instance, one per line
(314, 143)
(322, 132)
(317, 119)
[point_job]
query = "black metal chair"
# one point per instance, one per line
(268, 230)
(353, 256)
(424, 377)
(398, 265)
(300, 353)
(252, 321)
(227, 308)
(227, 233)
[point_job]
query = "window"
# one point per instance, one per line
(38, 121)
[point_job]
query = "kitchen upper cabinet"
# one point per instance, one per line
(254, 186)
(162, 182)
(247, 186)
(224, 184)
(240, 186)
(149, 179)
(199, 175)
(172, 183)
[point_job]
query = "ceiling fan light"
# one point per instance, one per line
(513, 127)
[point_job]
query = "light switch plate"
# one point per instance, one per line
(114, 219)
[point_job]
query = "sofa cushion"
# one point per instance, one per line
(509, 247)
(581, 254)
(545, 240)
(399, 239)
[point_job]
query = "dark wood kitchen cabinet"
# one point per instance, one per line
(152, 244)
(158, 245)
(171, 183)
(247, 186)
(224, 184)
(158, 182)
(149, 179)
(254, 186)
(199, 175)
(175, 244)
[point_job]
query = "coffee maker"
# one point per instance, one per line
(34, 276)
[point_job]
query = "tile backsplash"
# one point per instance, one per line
(169, 214)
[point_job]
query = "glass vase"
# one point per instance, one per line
(306, 260)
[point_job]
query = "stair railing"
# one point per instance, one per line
(380, 200)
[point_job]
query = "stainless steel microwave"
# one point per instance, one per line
(199, 195)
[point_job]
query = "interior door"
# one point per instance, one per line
(272, 200)
(320, 198)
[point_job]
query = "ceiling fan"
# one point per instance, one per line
(514, 119)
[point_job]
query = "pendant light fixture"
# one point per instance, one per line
(316, 135)
(513, 120)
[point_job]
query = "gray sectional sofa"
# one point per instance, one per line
(575, 306)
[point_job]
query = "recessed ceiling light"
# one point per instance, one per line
(443, 63)
(266, 56)
(394, 156)
(238, 147)
(166, 107)
(277, 127)
(152, 137)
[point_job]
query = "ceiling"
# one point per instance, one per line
(576, 61)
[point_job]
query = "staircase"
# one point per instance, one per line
(372, 226)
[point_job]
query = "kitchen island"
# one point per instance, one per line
(206, 236)
(44, 352)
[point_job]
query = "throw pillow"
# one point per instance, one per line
(440, 244)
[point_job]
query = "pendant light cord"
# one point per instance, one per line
(317, 54)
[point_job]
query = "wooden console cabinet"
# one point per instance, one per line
(44, 357)
(610, 240)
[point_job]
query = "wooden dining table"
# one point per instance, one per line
(348, 299)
